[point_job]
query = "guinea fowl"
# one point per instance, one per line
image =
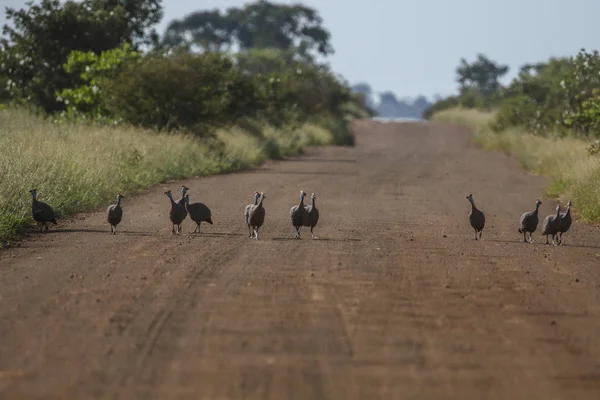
(565, 222)
(184, 190)
(529, 222)
(256, 216)
(312, 215)
(551, 225)
(177, 213)
(42, 212)
(199, 213)
(115, 214)
(297, 214)
(247, 212)
(476, 218)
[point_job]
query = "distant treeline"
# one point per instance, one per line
(389, 106)
(560, 96)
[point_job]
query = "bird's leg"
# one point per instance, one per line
(525, 237)
(41, 224)
(531, 238)
(249, 231)
(475, 234)
(46, 226)
(173, 229)
(195, 229)
(256, 233)
(547, 239)
(199, 226)
(480, 233)
(312, 233)
(560, 239)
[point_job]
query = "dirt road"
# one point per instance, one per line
(395, 299)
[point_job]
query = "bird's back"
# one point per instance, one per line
(177, 213)
(550, 225)
(529, 221)
(311, 217)
(297, 214)
(256, 215)
(115, 213)
(42, 212)
(565, 222)
(199, 212)
(477, 219)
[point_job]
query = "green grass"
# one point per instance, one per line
(571, 171)
(79, 168)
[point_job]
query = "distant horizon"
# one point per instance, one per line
(407, 49)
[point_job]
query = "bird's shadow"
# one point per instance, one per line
(325, 239)
(543, 243)
(212, 234)
(71, 230)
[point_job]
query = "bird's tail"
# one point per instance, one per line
(520, 230)
(210, 220)
(54, 221)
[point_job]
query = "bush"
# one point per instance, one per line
(184, 91)
(42, 36)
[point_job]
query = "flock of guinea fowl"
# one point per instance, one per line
(254, 214)
(554, 225)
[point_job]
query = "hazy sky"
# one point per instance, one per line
(413, 47)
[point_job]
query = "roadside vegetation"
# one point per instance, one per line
(94, 101)
(548, 117)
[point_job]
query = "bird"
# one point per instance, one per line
(42, 212)
(256, 215)
(297, 214)
(199, 213)
(115, 214)
(177, 213)
(565, 222)
(184, 190)
(476, 218)
(551, 225)
(247, 212)
(529, 222)
(312, 215)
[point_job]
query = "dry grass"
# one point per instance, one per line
(78, 168)
(572, 172)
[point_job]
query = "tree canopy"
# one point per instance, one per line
(259, 25)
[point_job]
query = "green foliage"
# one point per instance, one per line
(560, 96)
(97, 71)
(483, 75)
(184, 91)
(258, 25)
(39, 39)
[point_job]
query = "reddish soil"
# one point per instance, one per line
(394, 300)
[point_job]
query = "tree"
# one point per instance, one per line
(262, 25)
(41, 37)
(482, 75)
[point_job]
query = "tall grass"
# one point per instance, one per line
(77, 168)
(573, 173)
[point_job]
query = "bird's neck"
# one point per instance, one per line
(472, 205)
